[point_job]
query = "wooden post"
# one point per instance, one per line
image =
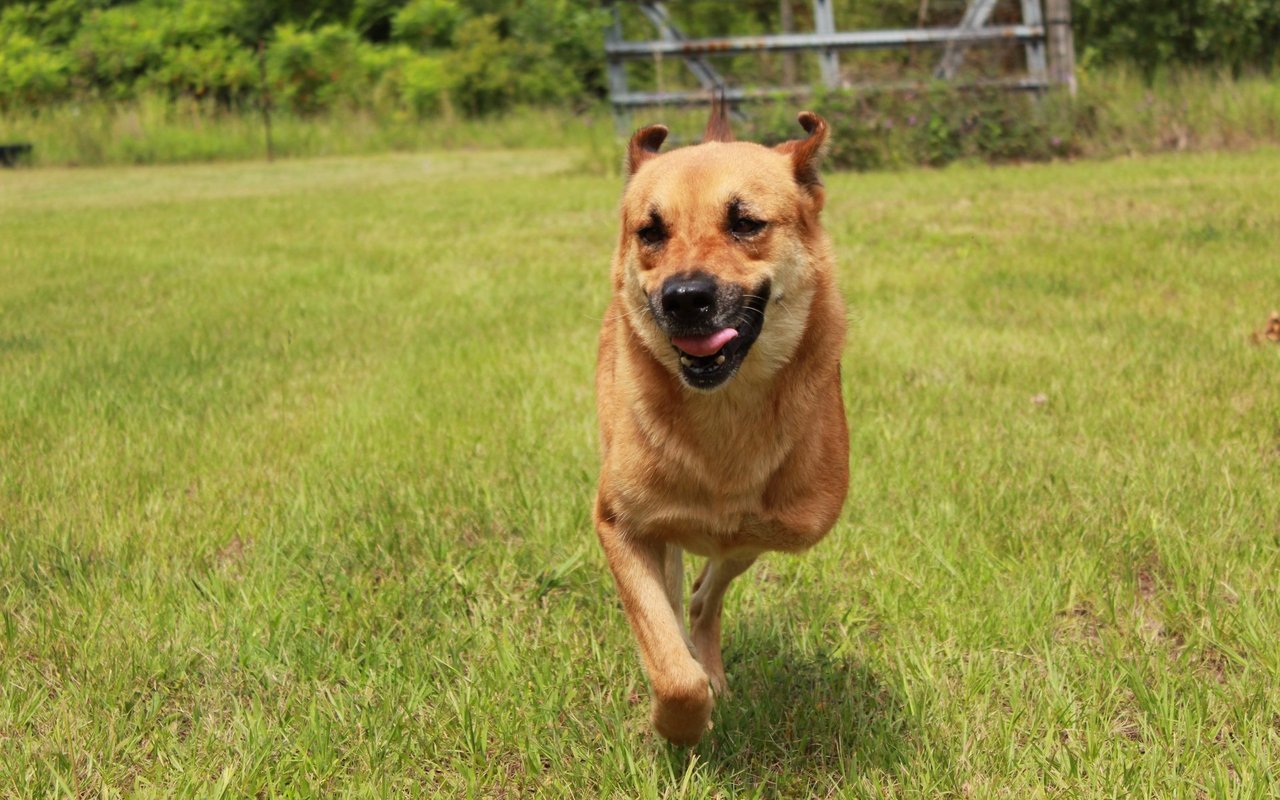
(1062, 49)
(265, 98)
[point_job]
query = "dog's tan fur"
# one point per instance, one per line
(758, 464)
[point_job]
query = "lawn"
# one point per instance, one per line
(296, 463)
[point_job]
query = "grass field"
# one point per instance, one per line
(296, 463)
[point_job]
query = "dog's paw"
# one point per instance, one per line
(683, 713)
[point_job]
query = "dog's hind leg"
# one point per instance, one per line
(682, 695)
(673, 578)
(704, 614)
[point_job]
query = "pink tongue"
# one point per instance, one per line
(705, 345)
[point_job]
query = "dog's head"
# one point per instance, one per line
(720, 248)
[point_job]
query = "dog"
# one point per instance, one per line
(722, 425)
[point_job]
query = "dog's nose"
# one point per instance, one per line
(689, 301)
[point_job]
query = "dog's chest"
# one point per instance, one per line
(704, 488)
(703, 523)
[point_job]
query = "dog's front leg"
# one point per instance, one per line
(682, 697)
(704, 614)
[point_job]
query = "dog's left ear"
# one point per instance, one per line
(807, 152)
(643, 146)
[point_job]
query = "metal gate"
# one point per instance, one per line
(973, 30)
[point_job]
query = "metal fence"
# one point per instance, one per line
(973, 30)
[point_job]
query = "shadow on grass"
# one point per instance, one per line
(800, 721)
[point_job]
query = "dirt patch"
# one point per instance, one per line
(1080, 623)
(232, 552)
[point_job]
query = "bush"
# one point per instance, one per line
(311, 71)
(425, 84)
(1155, 34)
(404, 80)
(117, 47)
(222, 69)
(31, 75)
(427, 23)
(934, 127)
(491, 73)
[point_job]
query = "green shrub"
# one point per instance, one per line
(1156, 34)
(311, 71)
(490, 72)
(937, 127)
(52, 23)
(427, 23)
(116, 47)
(31, 75)
(221, 68)
(425, 84)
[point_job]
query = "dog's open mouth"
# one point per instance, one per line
(709, 359)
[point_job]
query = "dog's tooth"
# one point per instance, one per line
(720, 358)
(685, 360)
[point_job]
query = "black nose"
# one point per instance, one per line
(689, 301)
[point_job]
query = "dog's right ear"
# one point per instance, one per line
(644, 146)
(807, 152)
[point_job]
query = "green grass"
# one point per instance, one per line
(156, 130)
(296, 463)
(1115, 113)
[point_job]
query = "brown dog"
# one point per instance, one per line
(718, 391)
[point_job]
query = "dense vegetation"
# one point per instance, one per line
(427, 57)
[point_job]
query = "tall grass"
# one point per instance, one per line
(1116, 112)
(155, 130)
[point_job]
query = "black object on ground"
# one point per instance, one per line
(11, 154)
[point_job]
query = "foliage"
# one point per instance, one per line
(117, 47)
(31, 74)
(416, 55)
(484, 56)
(427, 23)
(313, 70)
(933, 127)
(221, 68)
(1116, 113)
(492, 72)
(1155, 34)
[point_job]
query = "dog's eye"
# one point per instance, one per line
(745, 226)
(652, 234)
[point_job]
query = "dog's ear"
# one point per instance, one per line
(807, 152)
(644, 146)
(718, 129)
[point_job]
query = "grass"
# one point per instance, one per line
(1115, 113)
(296, 463)
(156, 130)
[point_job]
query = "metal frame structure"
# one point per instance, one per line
(972, 30)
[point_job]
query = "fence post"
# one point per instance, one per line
(617, 74)
(1036, 66)
(265, 98)
(824, 20)
(1062, 49)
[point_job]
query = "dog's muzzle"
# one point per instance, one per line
(712, 325)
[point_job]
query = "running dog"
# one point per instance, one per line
(722, 425)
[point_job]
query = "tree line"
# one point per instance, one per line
(476, 57)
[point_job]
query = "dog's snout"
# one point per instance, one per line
(689, 300)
